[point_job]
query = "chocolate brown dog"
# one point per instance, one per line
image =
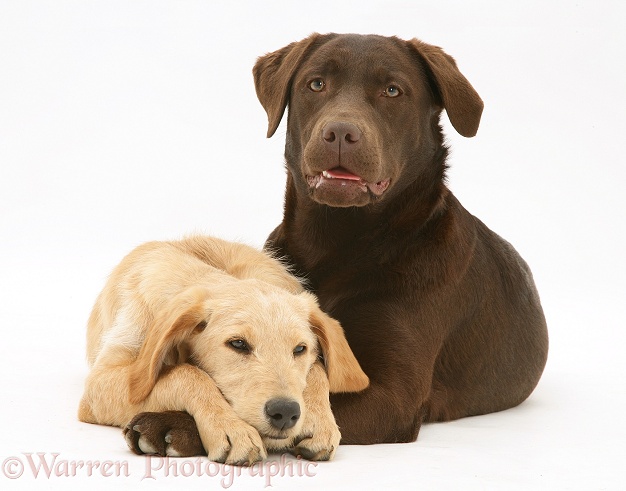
(442, 314)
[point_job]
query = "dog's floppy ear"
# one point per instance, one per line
(185, 314)
(462, 103)
(343, 369)
(273, 73)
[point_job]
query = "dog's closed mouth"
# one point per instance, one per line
(341, 177)
(274, 437)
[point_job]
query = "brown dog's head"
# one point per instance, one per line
(363, 112)
(257, 342)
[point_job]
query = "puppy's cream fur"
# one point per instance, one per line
(159, 339)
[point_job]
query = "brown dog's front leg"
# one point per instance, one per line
(170, 433)
(378, 415)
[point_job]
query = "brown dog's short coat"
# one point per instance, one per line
(442, 314)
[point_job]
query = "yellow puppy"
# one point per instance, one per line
(224, 332)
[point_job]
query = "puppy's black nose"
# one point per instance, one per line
(282, 413)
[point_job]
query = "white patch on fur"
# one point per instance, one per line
(170, 451)
(145, 447)
(124, 333)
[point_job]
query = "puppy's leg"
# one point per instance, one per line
(225, 437)
(320, 435)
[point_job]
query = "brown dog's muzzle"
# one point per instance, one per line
(338, 163)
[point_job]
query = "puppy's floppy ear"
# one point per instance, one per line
(184, 314)
(462, 103)
(272, 78)
(343, 369)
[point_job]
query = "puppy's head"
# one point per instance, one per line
(258, 343)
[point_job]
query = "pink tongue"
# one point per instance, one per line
(341, 173)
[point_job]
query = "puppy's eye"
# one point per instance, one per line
(392, 91)
(239, 345)
(299, 350)
(317, 85)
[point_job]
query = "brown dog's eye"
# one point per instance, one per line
(299, 350)
(317, 85)
(392, 91)
(240, 345)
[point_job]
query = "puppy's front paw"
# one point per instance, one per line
(319, 440)
(231, 441)
(170, 433)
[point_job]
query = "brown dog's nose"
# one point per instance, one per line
(341, 137)
(282, 413)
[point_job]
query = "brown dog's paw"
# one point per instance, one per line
(170, 433)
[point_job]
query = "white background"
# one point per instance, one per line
(128, 121)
